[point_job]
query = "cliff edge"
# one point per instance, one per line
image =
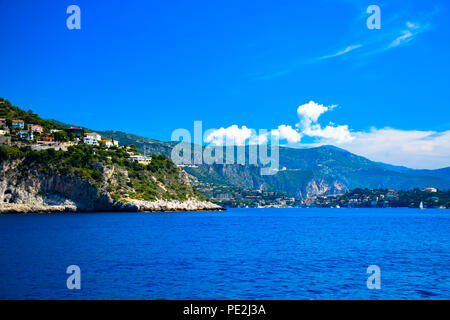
(93, 179)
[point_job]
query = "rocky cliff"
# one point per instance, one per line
(31, 183)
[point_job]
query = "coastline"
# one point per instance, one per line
(131, 206)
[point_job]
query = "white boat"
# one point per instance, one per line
(421, 205)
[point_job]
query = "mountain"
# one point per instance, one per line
(145, 145)
(443, 173)
(304, 172)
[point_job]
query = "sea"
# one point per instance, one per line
(273, 253)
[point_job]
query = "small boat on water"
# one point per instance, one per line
(421, 205)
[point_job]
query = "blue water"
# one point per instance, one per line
(237, 254)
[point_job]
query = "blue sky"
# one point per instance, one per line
(149, 67)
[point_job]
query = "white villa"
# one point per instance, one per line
(92, 138)
(140, 159)
(111, 143)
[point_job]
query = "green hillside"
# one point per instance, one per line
(145, 145)
(10, 112)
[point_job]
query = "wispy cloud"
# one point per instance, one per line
(404, 38)
(391, 37)
(297, 64)
(407, 35)
(412, 25)
(397, 37)
(342, 52)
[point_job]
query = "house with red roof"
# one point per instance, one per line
(35, 128)
(111, 143)
(18, 124)
(92, 138)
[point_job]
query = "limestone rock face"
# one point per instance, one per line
(54, 193)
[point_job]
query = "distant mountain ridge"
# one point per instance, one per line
(303, 172)
(308, 172)
(443, 173)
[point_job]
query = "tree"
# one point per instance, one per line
(133, 148)
(61, 136)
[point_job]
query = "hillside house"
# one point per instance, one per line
(47, 138)
(111, 143)
(25, 135)
(92, 138)
(3, 123)
(140, 159)
(18, 124)
(35, 128)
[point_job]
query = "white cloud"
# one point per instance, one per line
(258, 139)
(233, 135)
(309, 115)
(404, 38)
(412, 25)
(408, 34)
(330, 134)
(342, 52)
(415, 149)
(395, 36)
(297, 64)
(288, 133)
(310, 112)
